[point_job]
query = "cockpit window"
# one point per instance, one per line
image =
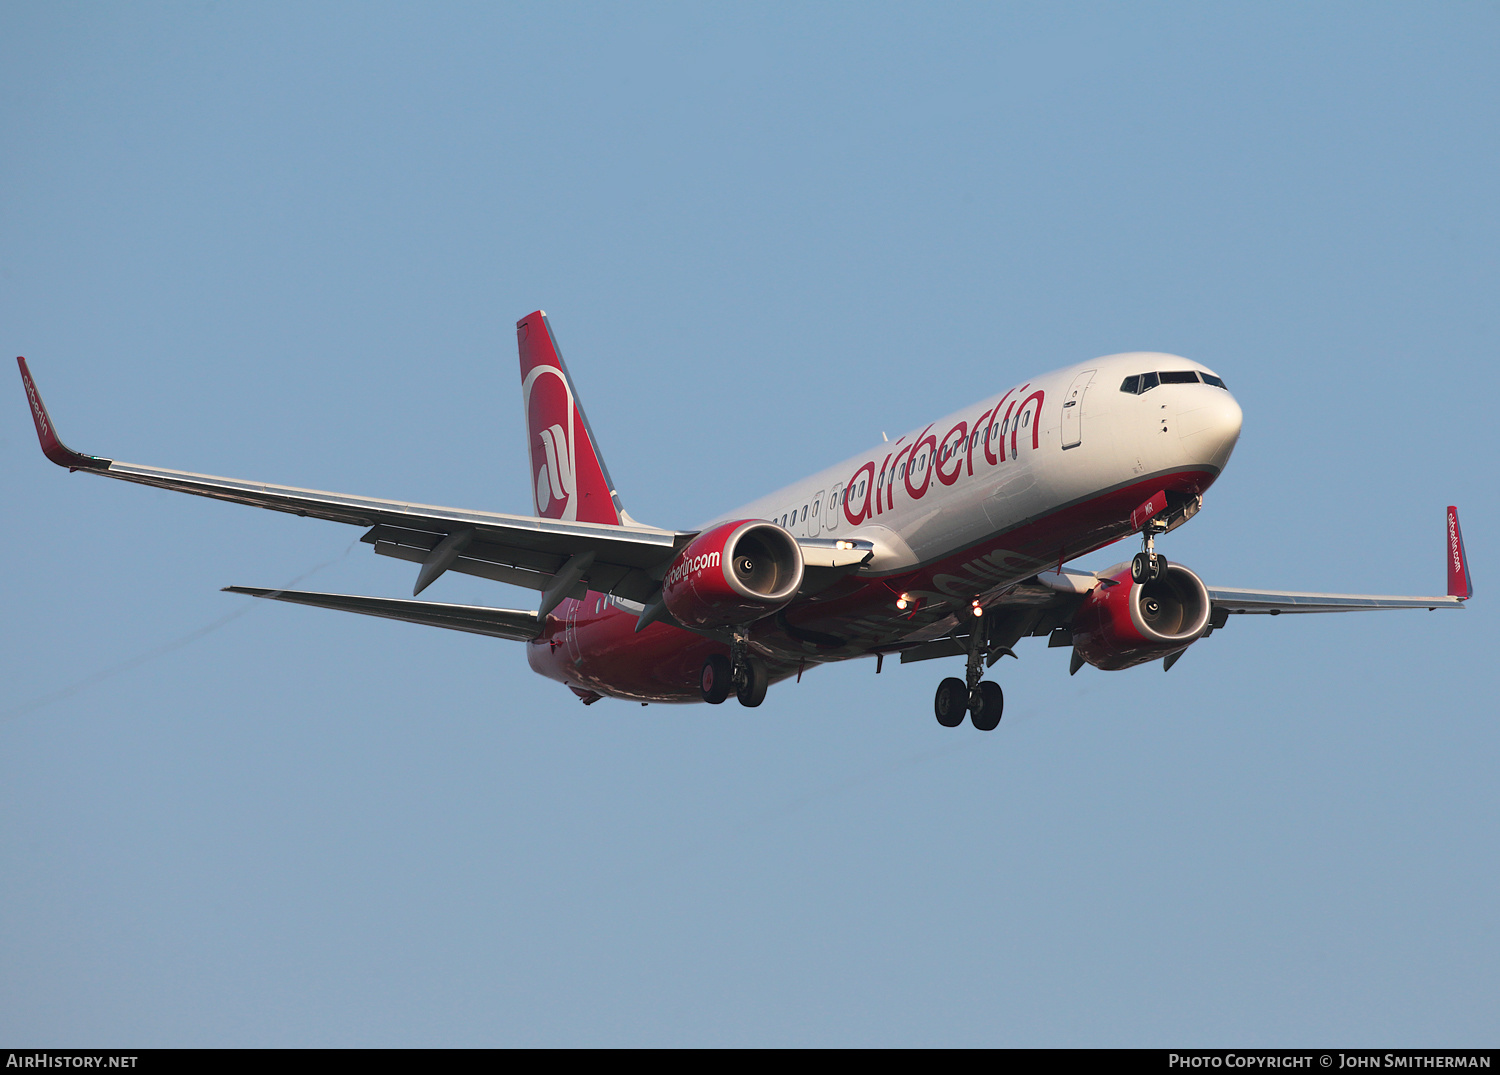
(1145, 382)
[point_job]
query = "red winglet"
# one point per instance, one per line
(1459, 583)
(46, 432)
(1143, 514)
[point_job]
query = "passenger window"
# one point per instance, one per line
(804, 514)
(1148, 381)
(1131, 384)
(1217, 382)
(1026, 418)
(1180, 377)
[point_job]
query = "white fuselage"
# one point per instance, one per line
(1002, 461)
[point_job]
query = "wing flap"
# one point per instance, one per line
(513, 624)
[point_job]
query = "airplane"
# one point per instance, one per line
(953, 540)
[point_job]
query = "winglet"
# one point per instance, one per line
(1460, 584)
(46, 432)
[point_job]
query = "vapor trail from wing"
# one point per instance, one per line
(101, 676)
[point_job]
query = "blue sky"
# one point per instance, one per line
(290, 243)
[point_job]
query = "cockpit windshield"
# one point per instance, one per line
(1145, 382)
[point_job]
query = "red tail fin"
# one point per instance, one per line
(1460, 584)
(569, 479)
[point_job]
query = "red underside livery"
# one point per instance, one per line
(951, 541)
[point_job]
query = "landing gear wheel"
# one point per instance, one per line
(985, 706)
(951, 701)
(1159, 569)
(716, 679)
(1140, 568)
(752, 691)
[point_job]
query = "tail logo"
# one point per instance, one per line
(554, 478)
(551, 418)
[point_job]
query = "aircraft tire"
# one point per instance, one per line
(1159, 569)
(950, 702)
(986, 705)
(753, 691)
(715, 679)
(1140, 568)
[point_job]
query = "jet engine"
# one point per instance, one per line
(733, 574)
(1122, 623)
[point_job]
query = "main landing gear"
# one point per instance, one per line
(739, 672)
(982, 700)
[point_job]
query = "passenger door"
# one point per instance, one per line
(1072, 414)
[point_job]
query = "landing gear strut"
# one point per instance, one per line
(985, 701)
(746, 673)
(1148, 565)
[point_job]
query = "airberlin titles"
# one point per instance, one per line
(689, 566)
(870, 492)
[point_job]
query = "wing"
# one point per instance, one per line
(1275, 602)
(519, 549)
(1044, 605)
(513, 624)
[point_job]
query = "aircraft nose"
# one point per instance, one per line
(1210, 427)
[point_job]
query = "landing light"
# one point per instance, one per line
(903, 601)
(978, 609)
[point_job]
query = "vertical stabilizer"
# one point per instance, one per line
(568, 477)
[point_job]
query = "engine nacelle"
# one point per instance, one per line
(735, 573)
(1131, 623)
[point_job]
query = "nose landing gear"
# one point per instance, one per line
(1148, 565)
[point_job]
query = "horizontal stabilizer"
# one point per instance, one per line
(514, 624)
